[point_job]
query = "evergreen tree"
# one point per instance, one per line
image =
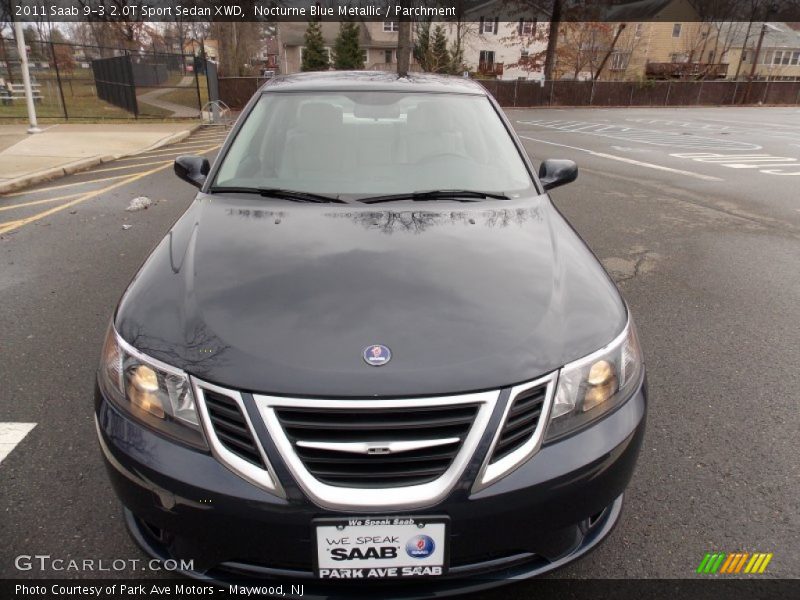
(347, 52)
(315, 56)
(422, 47)
(440, 57)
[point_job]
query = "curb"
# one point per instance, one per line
(51, 173)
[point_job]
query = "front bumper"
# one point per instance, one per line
(183, 504)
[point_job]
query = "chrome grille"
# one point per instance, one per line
(376, 453)
(356, 448)
(231, 427)
(520, 423)
(231, 436)
(521, 429)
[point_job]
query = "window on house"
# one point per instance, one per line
(526, 27)
(387, 56)
(679, 57)
(676, 30)
(710, 56)
(786, 57)
(639, 30)
(619, 61)
(524, 55)
(391, 26)
(796, 57)
(488, 25)
(486, 57)
(766, 58)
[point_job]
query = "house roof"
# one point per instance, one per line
(293, 33)
(637, 11)
(513, 11)
(777, 35)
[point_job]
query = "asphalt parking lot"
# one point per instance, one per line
(694, 212)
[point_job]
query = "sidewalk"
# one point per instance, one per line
(61, 150)
(179, 111)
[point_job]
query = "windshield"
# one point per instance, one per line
(373, 143)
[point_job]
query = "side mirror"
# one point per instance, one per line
(192, 169)
(555, 172)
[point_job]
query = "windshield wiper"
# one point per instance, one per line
(460, 195)
(293, 195)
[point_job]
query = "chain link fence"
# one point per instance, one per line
(236, 91)
(524, 94)
(73, 81)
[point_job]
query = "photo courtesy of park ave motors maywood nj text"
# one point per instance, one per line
(398, 300)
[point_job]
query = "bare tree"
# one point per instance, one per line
(462, 29)
(583, 45)
(530, 38)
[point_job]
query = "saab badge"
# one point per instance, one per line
(377, 355)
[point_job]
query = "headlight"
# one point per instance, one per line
(155, 393)
(588, 388)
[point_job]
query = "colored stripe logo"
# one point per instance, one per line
(733, 563)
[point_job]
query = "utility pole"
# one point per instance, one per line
(744, 49)
(552, 40)
(758, 50)
(26, 77)
(755, 62)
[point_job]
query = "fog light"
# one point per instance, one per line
(601, 384)
(143, 391)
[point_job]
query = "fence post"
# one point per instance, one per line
(699, 93)
(213, 89)
(666, 98)
(129, 67)
(766, 91)
(552, 85)
(630, 100)
(591, 94)
(196, 85)
(516, 84)
(735, 91)
(58, 80)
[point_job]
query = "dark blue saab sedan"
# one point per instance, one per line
(371, 353)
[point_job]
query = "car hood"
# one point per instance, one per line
(283, 298)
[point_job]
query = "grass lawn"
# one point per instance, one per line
(80, 97)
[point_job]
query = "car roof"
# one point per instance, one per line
(341, 81)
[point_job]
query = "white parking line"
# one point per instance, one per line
(166, 152)
(657, 137)
(630, 161)
(12, 434)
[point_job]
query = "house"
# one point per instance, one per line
(491, 45)
(268, 56)
(500, 41)
(649, 39)
(195, 47)
(378, 41)
(779, 55)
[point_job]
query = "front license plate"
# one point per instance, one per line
(381, 547)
